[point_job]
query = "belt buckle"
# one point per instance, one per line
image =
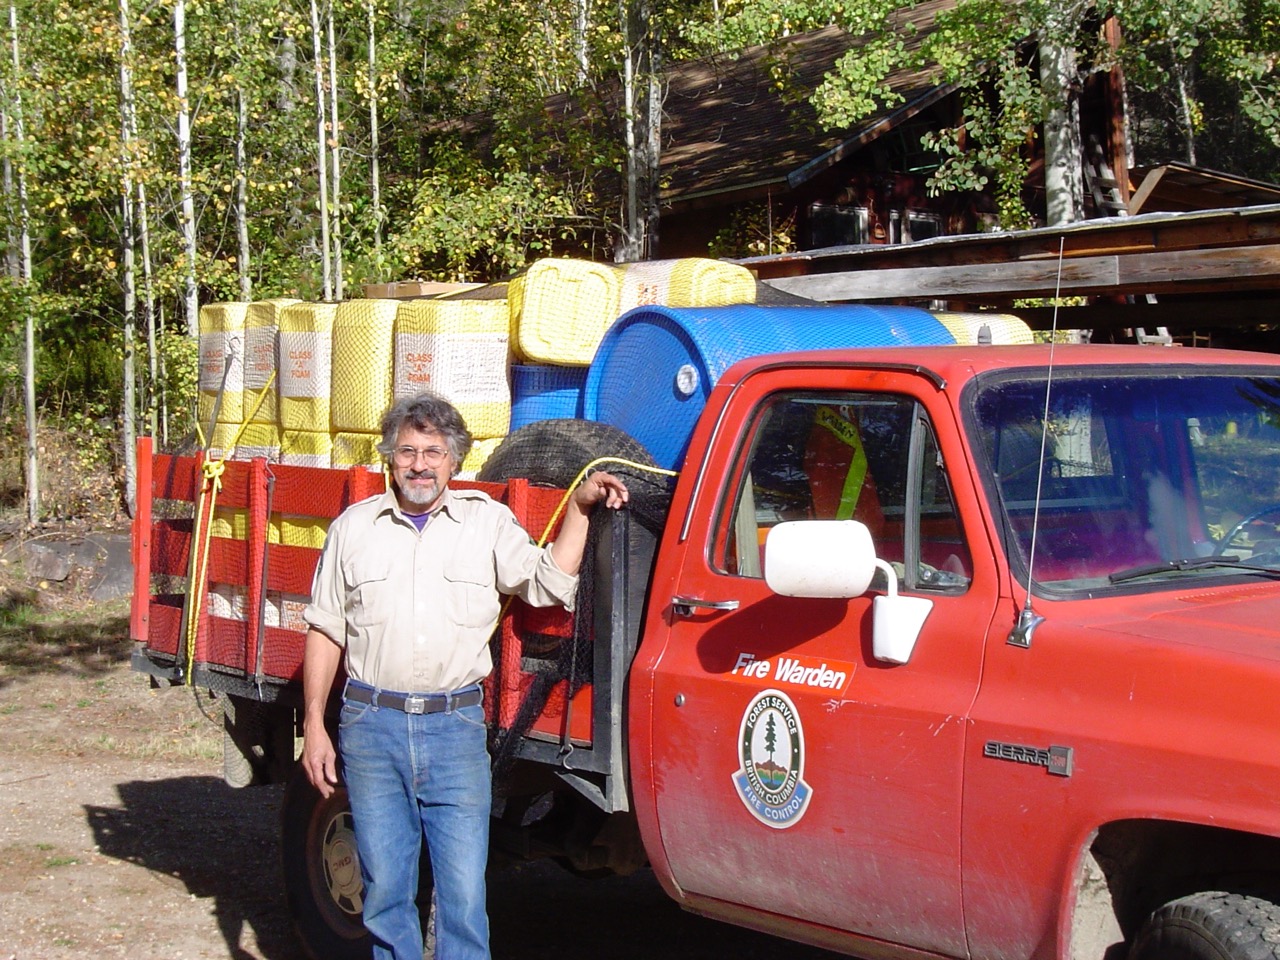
(415, 704)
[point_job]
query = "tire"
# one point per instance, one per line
(552, 452)
(257, 742)
(1211, 926)
(322, 880)
(323, 886)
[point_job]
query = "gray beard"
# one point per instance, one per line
(420, 496)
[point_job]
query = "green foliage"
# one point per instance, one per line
(484, 230)
(752, 232)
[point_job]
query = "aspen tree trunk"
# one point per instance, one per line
(581, 30)
(335, 140)
(1063, 149)
(375, 185)
(242, 172)
(643, 106)
(629, 243)
(1180, 75)
(322, 162)
(128, 422)
(24, 272)
(142, 228)
(188, 221)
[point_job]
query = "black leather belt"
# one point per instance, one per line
(424, 703)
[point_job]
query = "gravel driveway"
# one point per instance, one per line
(119, 838)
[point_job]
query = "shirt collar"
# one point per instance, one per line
(388, 504)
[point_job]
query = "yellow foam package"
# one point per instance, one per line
(460, 349)
(481, 450)
(259, 440)
(305, 448)
(687, 282)
(231, 523)
(356, 450)
(261, 328)
(1001, 328)
(560, 310)
(305, 351)
(284, 610)
(362, 337)
(221, 444)
(228, 601)
(296, 531)
(221, 346)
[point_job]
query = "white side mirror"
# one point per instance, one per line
(897, 621)
(837, 558)
(819, 558)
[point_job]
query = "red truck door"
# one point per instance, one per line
(794, 774)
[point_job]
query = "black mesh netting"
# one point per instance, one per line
(553, 452)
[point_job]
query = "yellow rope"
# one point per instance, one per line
(206, 503)
(564, 501)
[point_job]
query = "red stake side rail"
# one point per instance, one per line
(244, 654)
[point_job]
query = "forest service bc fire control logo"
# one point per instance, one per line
(770, 780)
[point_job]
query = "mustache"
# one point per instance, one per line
(417, 474)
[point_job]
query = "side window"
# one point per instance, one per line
(860, 456)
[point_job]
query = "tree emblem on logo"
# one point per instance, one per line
(770, 780)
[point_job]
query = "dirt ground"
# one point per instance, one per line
(120, 839)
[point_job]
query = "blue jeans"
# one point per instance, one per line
(406, 775)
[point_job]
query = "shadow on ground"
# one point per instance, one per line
(223, 845)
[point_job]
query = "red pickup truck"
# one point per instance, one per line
(930, 651)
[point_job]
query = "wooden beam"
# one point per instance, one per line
(1231, 268)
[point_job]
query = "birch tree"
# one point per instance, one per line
(17, 200)
(191, 300)
(322, 159)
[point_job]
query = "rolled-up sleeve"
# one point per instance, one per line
(326, 611)
(529, 571)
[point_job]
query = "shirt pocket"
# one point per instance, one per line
(370, 597)
(472, 594)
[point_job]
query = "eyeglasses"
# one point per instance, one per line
(408, 456)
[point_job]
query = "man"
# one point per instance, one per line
(408, 586)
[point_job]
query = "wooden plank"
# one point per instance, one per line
(1225, 268)
(951, 281)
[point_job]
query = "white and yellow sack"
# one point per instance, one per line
(221, 346)
(352, 449)
(687, 282)
(306, 448)
(461, 350)
(1002, 328)
(261, 329)
(305, 345)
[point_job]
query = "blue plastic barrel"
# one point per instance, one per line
(545, 392)
(655, 367)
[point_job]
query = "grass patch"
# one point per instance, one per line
(60, 861)
(84, 639)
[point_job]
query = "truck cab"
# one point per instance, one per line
(1078, 735)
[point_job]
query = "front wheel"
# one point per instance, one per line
(1211, 926)
(322, 879)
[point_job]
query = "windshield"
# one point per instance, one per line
(1144, 478)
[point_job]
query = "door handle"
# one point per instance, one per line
(684, 606)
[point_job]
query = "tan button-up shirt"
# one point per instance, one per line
(415, 611)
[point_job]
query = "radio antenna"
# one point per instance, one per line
(1028, 619)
